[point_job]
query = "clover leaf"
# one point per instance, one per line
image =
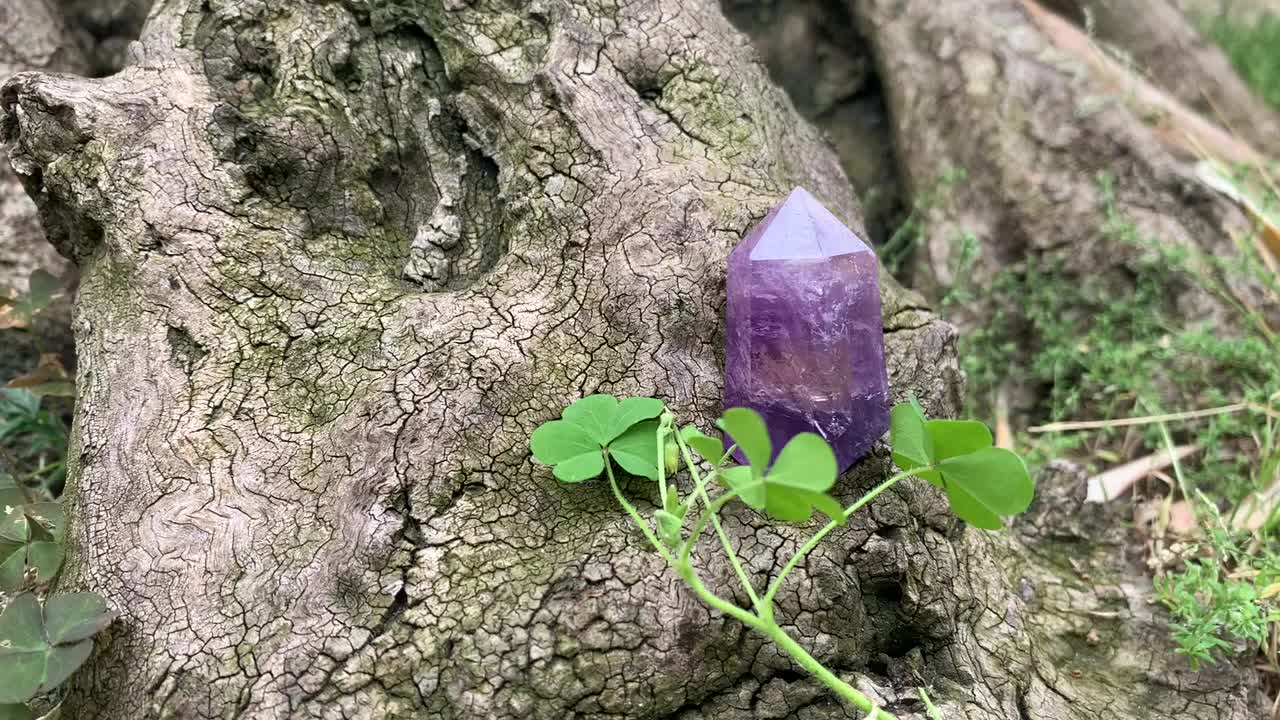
(40, 648)
(748, 430)
(982, 482)
(636, 450)
(794, 484)
(30, 533)
(574, 455)
(599, 427)
(711, 449)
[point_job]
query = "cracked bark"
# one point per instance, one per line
(339, 261)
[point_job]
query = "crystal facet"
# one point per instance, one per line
(804, 345)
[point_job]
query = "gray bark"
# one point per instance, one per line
(339, 262)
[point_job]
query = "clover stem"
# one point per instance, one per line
(701, 489)
(820, 671)
(662, 464)
(635, 515)
(771, 630)
(808, 547)
(710, 512)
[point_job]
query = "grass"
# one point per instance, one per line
(1114, 347)
(1252, 50)
(33, 439)
(1111, 347)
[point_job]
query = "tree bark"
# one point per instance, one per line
(338, 263)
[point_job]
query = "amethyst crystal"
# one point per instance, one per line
(804, 345)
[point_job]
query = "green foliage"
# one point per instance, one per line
(35, 436)
(41, 642)
(31, 533)
(982, 482)
(1223, 595)
(41, 647)
(1104, 346)
(596, 427)
(796, 483)
(41, 289)
(15, 711)
(1252, 50)
(898, 250)
(596, 433)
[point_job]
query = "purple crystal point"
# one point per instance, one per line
(804, 345)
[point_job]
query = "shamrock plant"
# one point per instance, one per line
(983, 483)
(41, 643)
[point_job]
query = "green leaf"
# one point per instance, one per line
(581, 468)
(748, 430)
(575, 455)
(13, 565)
(39, 651)
(669, 527)
(971, 510)
(912, 446)
(828, 506)
(62, 660)
(633, 410)
(13, 524)
(594, 415)
(21, 626)
(49, 517)
(73, 617)
(986, 484)
(637, 450)
(709, 448)
(743, 479)
(23, 671)
(805, 469)
(556, 441)
(15, 711)
(46, 558)
(957, 437)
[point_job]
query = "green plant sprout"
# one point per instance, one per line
(982, 483)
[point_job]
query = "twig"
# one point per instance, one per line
(1152, 419)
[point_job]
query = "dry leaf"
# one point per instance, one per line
(49, 370)
(1117, 481)
(1182, 520)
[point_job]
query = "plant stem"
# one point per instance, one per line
(808, 547)
(771, 630)
(701, 491)
(635, 516)
(707, 514)
(820, 671)
(662, 465)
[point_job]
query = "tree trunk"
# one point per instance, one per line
(339, 262)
